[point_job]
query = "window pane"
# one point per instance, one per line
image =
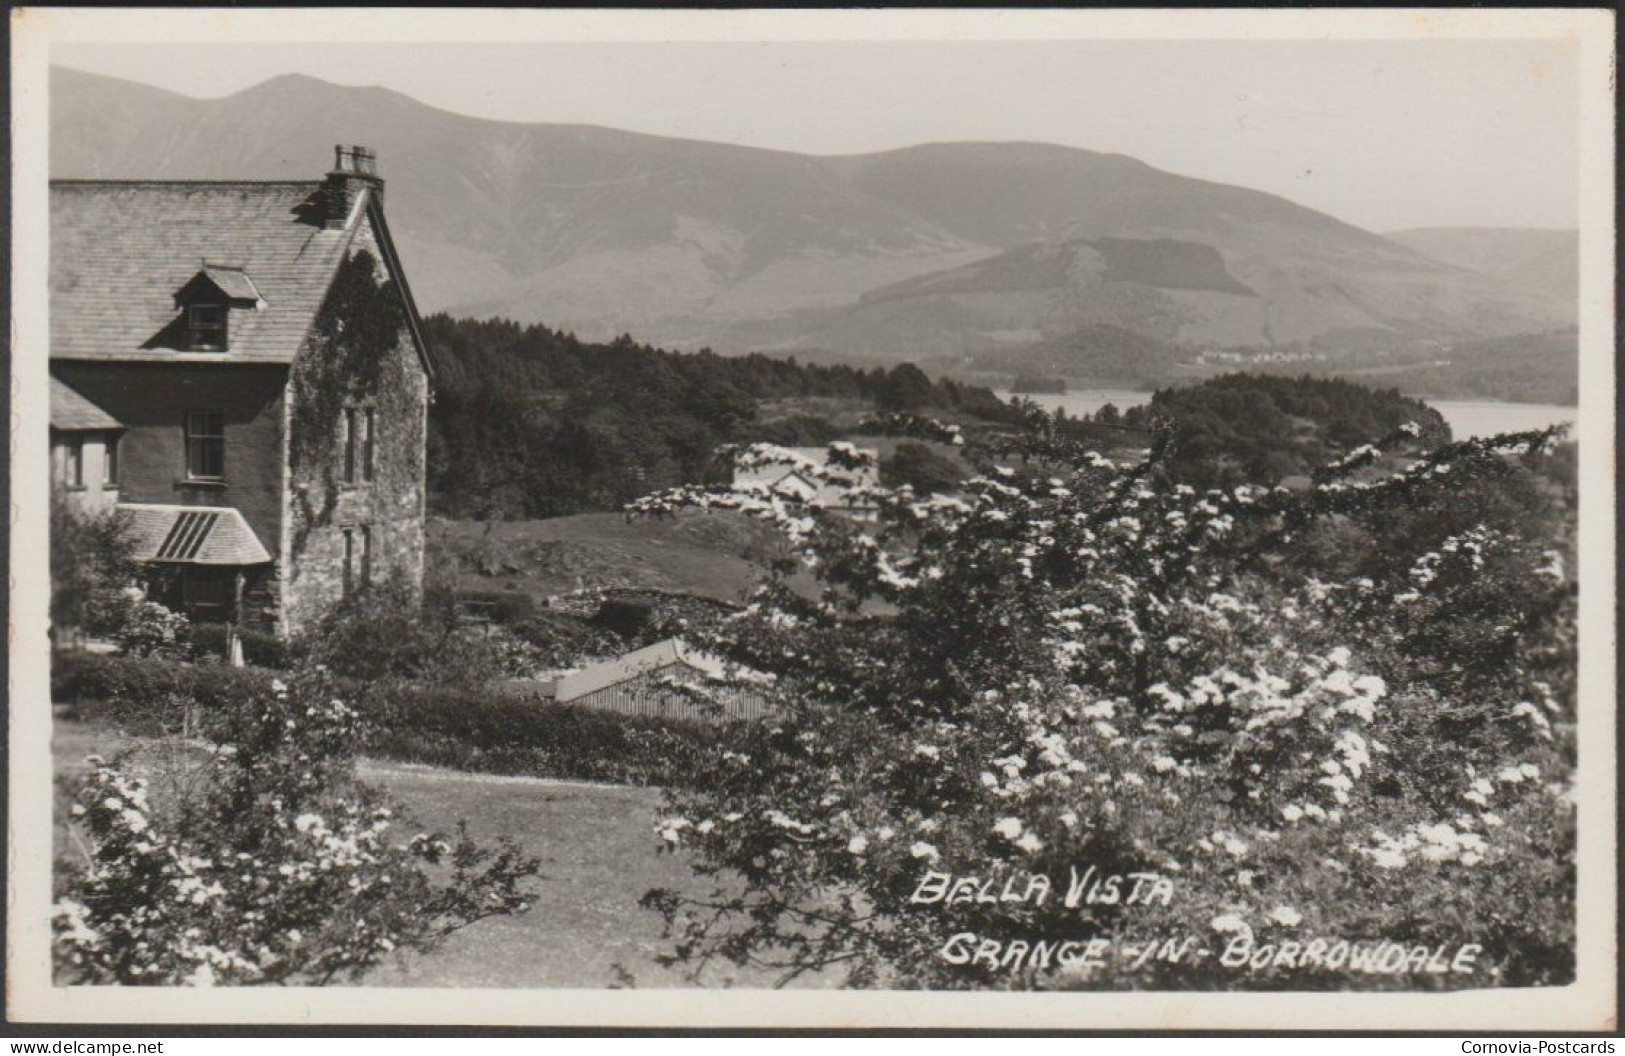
(349, 446)
(371, 443)
(110, 459)
(366, 556)
(76, 461)
(207, 323)
(205, 445)
(349, 562)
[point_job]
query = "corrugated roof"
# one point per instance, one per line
(643, 661)
(72, 410)
(195, 535)
(121, 249)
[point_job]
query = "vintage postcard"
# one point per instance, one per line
(1044, 519)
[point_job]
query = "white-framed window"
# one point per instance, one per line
(347, 588)
(206, 327)
(205, 445)
(360, 425)
(73, 461)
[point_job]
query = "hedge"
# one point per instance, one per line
(147, 697)
(259, 648)
(456, 728)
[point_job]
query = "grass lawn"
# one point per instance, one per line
(714, 555)
(598, 852)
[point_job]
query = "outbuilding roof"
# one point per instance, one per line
(71, 410)
(194, 535)
(663, 654)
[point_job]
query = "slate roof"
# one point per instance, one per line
(120, 249)
(235, 283)
(70, 410)
(196, 535)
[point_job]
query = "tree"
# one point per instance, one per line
(95, 587)
(91, 554)
(921, 468)
(905, 388)
(264, 860)
(1132, 706)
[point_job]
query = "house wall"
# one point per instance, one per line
(94, 495)
(321, 505)
(152, 399)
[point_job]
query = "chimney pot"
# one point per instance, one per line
(355, 170)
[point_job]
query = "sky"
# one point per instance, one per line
(1383, 134)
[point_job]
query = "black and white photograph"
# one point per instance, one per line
(813, 518)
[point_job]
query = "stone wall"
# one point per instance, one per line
(322, 504)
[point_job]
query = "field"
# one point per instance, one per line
(598, 852)
(713, 555)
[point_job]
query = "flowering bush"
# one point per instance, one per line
(265, 862)
(136, 624)
(1089, 727)
(93, 583)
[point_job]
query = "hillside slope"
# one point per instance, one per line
(688, 243)
(1540, 259)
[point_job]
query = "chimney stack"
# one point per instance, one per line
(355, 169)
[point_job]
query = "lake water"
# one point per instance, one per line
(1466, 418)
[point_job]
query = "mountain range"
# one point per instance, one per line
(946, 248)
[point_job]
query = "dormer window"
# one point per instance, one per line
(207, 300)
(206, 327)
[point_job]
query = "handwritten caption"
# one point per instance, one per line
(1239, 950)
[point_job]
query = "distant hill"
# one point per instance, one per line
(1541, 259)
(1536, 368)
(1096, 355)
(1265, 429)
(687, 243)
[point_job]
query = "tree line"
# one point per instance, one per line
(533, 422)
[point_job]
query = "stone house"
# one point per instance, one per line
(807, 474)
(239, 367)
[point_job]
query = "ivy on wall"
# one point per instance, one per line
(356, 331)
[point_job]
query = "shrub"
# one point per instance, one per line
(207, 641)
(921, 468)
(472, 731)
(437, 726)
(384, 634)
(151, 696)
(137, 625)
(563, 639)
(270, 863)
(503, 606)
(1103, 669)
(91, 555)
(625, 617)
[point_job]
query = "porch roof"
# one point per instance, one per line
(193, 535)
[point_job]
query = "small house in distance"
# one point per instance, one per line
(800, 473)
(238, 367)
(642, 683)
